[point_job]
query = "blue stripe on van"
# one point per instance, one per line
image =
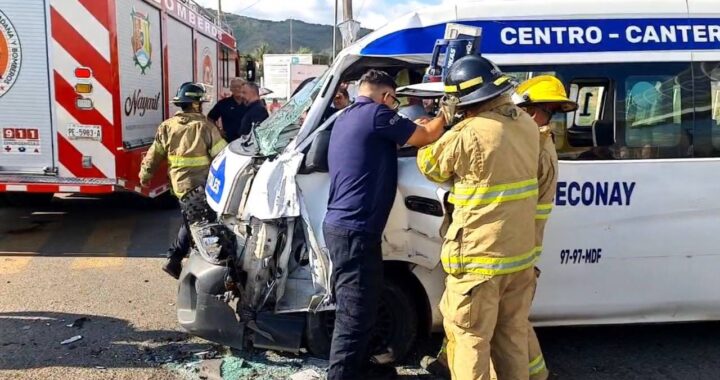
(564, 36)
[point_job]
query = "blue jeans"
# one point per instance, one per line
(358, 280)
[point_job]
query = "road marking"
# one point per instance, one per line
(112, 236)
(13, 265)
(29, 234)
(82, 263)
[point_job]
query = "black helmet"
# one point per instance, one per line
(189, 92)
(474, 79)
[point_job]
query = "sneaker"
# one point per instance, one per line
(380, 371)
(173, 267)
(435, 367)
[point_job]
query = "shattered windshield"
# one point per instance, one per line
(275, 133)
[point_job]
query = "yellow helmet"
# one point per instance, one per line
(544, 89)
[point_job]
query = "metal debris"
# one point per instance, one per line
(71, 340)
(79, 322)
(205, 355)
(307, 374)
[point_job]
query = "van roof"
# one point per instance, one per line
(518, 31)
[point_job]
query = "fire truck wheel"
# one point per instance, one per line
(395, 330)
(17, 199)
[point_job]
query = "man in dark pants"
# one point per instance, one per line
(189, 142)
(363, 173)
(230, 111)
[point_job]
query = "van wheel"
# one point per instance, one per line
(395, 330)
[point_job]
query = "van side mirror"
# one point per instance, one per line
(316, 157)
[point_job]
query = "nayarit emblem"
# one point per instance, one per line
(142, 48)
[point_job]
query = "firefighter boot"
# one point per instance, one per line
(436, 367)
(173, 267)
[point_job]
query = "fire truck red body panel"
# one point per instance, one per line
(84, 84)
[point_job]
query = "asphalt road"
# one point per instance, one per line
(96, 261)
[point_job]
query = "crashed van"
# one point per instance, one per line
(626, 242)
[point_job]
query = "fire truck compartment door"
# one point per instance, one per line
(27, 133)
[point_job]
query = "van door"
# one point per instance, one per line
(26, 123)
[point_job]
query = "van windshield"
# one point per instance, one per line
(275, 133)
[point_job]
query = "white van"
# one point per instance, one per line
(632, 237)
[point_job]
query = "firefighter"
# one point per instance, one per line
(189, 141)
(542, 97)
(491, 159)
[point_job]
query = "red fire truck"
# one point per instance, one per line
(85, 83)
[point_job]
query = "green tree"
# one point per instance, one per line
(304, 50)
(258, 54)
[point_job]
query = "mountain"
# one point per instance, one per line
(251, 33)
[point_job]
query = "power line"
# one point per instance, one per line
(249, 6)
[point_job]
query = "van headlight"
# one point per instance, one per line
(214, 241)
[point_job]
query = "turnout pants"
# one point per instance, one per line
(358, 280)
(485, 320)
(536, 367)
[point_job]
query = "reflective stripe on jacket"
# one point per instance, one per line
(189, 142)
(492, 161)
(547, 182)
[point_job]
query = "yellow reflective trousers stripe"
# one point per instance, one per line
(218, 147)
(543, 211)
(431, 168)
(472, 195)
(490, 266)
(188, 162)
(537, 366)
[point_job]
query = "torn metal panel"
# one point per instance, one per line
(274, 191)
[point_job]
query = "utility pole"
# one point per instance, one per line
(291, 36)
(219, 13)
(347, 10)
(335, 25)
(349, 28)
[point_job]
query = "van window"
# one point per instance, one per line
(589, 99)
(522, 76)
(706, 98)
(715, 106)
(653, 111)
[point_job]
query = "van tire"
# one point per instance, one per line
(395, 331)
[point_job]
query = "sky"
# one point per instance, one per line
(371, 13)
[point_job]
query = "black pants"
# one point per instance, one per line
(358, 280)
(181, 246)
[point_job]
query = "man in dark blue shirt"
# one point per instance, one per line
(255, 112)
(230, 111)
(363, 173)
